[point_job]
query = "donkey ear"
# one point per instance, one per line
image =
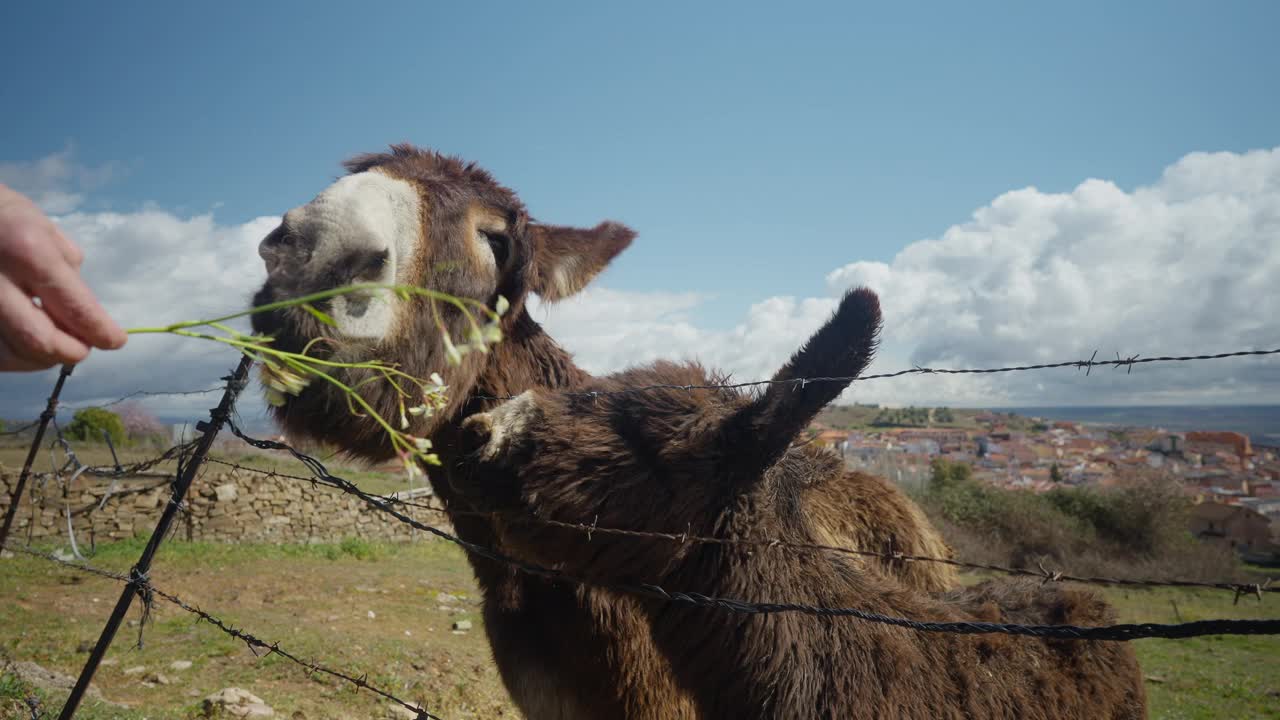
(566, 258)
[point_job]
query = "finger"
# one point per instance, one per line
(69, 249)
(19, 214)
(11, 361)
(30, 334)
(66, 298)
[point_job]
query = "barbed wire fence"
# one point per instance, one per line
(888, 554)
(1086, 365)
(191, 455)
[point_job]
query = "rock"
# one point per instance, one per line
(180, 665)
(462, 625)
(46, 679)
(146, 501)
(236, 703)
(85, 646)
(226, 493)
(136, 669)
(155, 678)
(372, 615)
(400, 712)
(446, 599)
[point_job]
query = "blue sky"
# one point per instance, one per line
(786, 141)
(756, 148)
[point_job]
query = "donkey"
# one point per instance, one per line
(412, 216)
(725, 464)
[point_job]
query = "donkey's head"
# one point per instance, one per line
(411, 217)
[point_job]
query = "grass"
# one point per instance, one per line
(315, 601)
(1205, 677)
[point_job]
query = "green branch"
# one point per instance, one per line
(289, 373)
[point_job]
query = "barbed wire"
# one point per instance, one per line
(137, 393)
(138, 467)
(589, 529)
(1121, 632)
(1086, 365)
(140, 393)
(20, 429)
(147, 590)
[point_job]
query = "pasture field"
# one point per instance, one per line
(378, 609)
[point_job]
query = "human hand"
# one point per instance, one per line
(38, 261)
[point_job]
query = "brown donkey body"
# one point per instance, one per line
(722, 464)
(415, 217)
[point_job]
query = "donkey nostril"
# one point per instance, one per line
(284, 245)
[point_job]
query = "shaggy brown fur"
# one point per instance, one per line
(563, 652)
(721, 465)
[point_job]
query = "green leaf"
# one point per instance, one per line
(319, 315)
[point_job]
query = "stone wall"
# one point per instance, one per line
(230, 506)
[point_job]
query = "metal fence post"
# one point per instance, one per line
(50, 410)
(138, 575)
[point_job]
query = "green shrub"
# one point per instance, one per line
(944, 474)
(1138, 528)
(89, 424)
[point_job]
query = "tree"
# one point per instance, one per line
(1055, 473)
(89, 424)
(944, 474)
(139, 423)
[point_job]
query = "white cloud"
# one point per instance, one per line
(1186, 265)
(147, 268)
(55, 182)
(152, 267)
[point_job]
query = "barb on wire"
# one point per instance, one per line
(146, 589)
(1239, 589)
(1086, 365)
(1122, 632)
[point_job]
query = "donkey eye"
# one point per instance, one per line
(500, 245)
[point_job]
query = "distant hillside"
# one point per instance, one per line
(869, 417)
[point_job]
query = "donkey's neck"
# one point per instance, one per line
(528, 358)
